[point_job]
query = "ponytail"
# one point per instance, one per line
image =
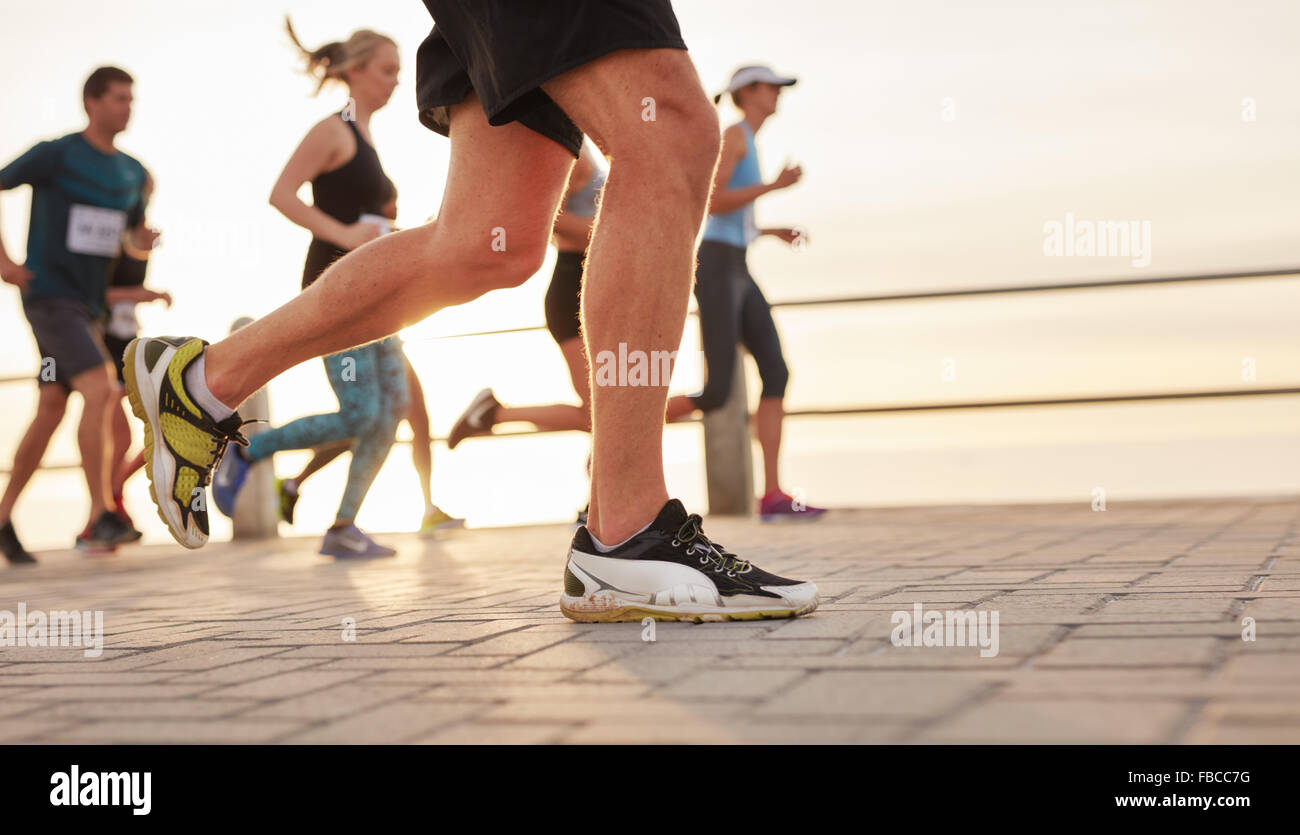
(332, 61)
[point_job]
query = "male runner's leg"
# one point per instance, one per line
(503, 187)
(759, 336)
(94, 435)
(642, 256)
(51, 404)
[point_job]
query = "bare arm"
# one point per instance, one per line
(139, 240)
(733, 151)
(321, 150)
(136, 295)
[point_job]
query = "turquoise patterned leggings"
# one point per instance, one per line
(370, 383)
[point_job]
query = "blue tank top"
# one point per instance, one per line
(738, 227)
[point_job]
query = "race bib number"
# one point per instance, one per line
(95, 231)
(122, 322)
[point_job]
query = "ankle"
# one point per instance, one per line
(220, 384)
(614, 528)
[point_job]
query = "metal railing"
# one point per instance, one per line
(738, 395)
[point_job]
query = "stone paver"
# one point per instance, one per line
(1117, 626)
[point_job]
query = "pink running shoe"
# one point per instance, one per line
(779, 507)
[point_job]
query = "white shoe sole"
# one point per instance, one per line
(691, 596)
(159, 463)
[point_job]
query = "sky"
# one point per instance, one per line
(938, 140)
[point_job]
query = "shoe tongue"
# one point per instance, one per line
(231, 424)
(671, 516)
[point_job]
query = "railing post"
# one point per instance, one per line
(256, 513)
(728, 456)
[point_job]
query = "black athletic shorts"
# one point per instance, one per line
(69, 339)
(564, 297)
(503, 50)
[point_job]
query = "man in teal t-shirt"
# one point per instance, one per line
(88, 203)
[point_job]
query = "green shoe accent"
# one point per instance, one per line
(153, 349)
(572, 585)
(287, 501)
(176, 372)
(439, 520)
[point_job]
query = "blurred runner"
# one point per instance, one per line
(349, 193)
(417, 417)
(125, 290)
(88, 199)
(563, 300)
(732, 308)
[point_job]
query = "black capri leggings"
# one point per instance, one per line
(733, 311)
(564, 297)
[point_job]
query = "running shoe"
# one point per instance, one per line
(437, 519)
(288, 497)
(121, 513)
(351, 542)
(672, 571)
(477, 419)
(778, 507)
(106, 533)
(182, 443)
(14, 551)
(229, 479)
(121, 510)
(87, 545)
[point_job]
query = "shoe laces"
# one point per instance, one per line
(691, 534)
(222, 436)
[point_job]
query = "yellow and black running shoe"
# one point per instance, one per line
(287, 490)
(182, 443)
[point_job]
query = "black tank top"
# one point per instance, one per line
(356, 188)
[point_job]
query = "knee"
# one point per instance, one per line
(699, 150)
(679, 164)
(400, 408)
(415, 413)
(49, 412)
(501, 257)
(96, 390)
(713, 397)
(362, 421)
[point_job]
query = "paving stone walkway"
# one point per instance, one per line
(1122, 626)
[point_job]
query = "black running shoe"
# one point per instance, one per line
(13, 549)
(106, 532)
(672, 571)
(477, 419)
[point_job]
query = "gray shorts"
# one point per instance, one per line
(69, 339)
